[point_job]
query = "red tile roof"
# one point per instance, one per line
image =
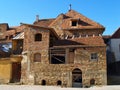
(44, 22)
(84, 41)
(83, 22)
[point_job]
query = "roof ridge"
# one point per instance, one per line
(47, 19)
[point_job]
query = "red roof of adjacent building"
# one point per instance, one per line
(44, 22)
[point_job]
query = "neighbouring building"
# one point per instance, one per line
(67, 50)
(10, 65)
(113, 52)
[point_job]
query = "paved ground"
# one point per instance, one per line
(28, 87)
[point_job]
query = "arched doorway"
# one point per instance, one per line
(77, 78)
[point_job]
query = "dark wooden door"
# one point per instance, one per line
(16, 72)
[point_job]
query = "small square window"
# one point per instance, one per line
(94, 56)
(74, 23)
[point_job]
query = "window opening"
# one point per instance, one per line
(94, 56)
(74, 23)
(58, 59)
(37, 57)
(38, 37)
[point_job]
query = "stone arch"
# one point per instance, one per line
(59, 82)
(77, 78)
(38, 37)
(37, 57)
(43, 82)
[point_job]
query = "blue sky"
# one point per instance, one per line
(105, 12)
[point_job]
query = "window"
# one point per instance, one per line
(94, 56)
(37, 57)
(74, 23)
(56, 59)
(38, 37)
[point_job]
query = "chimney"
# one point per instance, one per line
(37, 18)
(70, 7)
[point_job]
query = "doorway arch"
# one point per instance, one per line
(77, 78)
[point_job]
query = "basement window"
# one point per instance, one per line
(94, 56)
(59, 82)
(92, 82)
(43, 82)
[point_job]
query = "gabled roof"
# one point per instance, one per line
(116, 33)
(21, 35)
(83, 41)
(83, 22)
(63, 21)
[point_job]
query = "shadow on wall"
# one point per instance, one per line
(113, 73)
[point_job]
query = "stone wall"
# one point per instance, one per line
(32, 46)
(52, 73)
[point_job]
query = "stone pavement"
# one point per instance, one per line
(31, 87)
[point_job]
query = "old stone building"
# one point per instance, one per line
(67, 50)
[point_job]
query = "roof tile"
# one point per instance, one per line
(93, 41)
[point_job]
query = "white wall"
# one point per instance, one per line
(115, 47)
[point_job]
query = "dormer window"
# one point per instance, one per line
(74, 23)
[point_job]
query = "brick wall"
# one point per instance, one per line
(31, 47)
